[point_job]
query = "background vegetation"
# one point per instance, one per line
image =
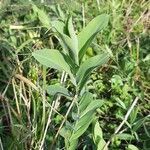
(29, 118)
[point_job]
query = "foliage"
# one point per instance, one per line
(94, 62)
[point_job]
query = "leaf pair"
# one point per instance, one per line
(76, 45)
(87, 107)
(86, 36)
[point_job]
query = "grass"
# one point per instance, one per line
(31, 119)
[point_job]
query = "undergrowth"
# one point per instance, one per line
(74, 100)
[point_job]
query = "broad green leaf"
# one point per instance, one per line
(69, 45)
(73, 144)
(86, 68)
(54, 59)
(85, 101)
(85, 47)
(101, 145)
(98, 137)
(97, 131)
(43, 17)
(132, 147)
(86, 36)
(85, 119)
(82, 125)
(68, 38)
(139, 123)
(64, 132)
(57, 89)
(71, 31)
(58, 26)
(92, 106)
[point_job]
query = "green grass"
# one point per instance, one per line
(29, 117)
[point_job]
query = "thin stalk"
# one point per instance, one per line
(16, 98)
(123, 122)
(46, 128)
(44, 100)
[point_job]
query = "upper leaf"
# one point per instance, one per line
(74, 38)
(54, 59)
(86, 36)
(68, 38)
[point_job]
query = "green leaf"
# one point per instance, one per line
(71, 31)
(58, 26)
(98, 137)
(69, 40)
(64, 132)
(82, 125)
(86, 117)
(97, 131)
(92, 106)
(133, 115)
(74, 38)
(132, 147)
(85, 101)
(54, 59)
(43, 17)
(57, 89)
(86, 36)
(73, 144)
(139, 123)
(86, 68)
(120, 103)
(69, 45)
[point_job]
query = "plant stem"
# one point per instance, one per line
(46, 128)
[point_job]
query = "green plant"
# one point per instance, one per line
(70, 59)
(30, 117)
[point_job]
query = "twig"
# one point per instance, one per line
(46, 128)
(122, 123)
